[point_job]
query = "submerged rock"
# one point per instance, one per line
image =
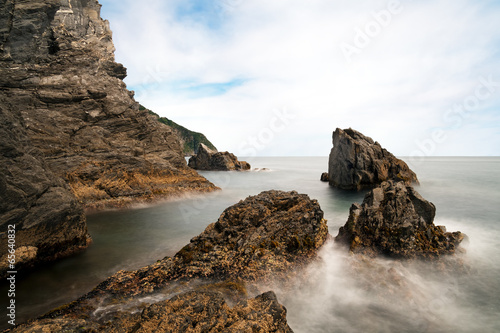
(261, 239)
(357, 162)
(395, 220)
(207, 159)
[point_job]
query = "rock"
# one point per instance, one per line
(207, 159)
(394, 220)
(35, 205)
(357, 162)
(57, 69)
(324, 177)
(261, 239)
(192, 311)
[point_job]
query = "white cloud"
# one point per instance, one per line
(397, 89)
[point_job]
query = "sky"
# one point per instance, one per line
(276, 78)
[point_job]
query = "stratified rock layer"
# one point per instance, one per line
(57, 70)
(394, 220)
(37, 208)
(207, 159)
(259, 240)
(357, 162)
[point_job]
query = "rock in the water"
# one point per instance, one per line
(394, 220)
(207, 159)
(57, 69)
(324, 177)
(261, 239)
(357, 162)
(39, 216)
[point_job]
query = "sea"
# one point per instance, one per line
(342, 293)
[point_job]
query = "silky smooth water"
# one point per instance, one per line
(334, 298)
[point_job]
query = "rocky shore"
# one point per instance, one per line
(357, 162)
(215, 281)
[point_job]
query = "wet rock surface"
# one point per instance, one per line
(357, 162)
(261, 239)
(57, 70)
(395, 220)
(207, 159)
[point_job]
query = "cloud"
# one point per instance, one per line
(224, 67)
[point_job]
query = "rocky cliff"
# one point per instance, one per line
(36, 206)
(395, 220)
(207, 159)
(357, 162)
(58, 71)
(214, 284)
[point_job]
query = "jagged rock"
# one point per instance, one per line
(394, 220)
(207, 159)
(357, 162)
(324, 177)
(57, 70)
(34, 203)
(263, 238)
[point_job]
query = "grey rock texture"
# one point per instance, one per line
(39, 206)
(357, 162)
(207, 159)
(264, 238)
(395, 220)
(57, 70)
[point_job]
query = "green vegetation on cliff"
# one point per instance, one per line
(190, 140)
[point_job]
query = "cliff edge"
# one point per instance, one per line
(58, 71)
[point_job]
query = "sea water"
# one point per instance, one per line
(341, 293)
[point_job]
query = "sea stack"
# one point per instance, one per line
(357, 162)
(395, 220)
(207, 159)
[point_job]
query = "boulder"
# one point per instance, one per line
(357, 162)
(394, 220)
(207, 159)
(258, 241)
(324, 177)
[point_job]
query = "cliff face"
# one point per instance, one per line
(58, 71)
(39, 207)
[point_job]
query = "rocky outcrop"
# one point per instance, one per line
(192, 311)
(357, 162)
(261, 239)
(207, 159)
(57, 70)
(394, 220)
(324, 177)
(37, 208)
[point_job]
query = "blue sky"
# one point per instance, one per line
(276, 78)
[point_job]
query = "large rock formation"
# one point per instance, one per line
(35, 206)
(394, 220)
(207, 159)
(57, 70)
(259, 240)
(357, 162)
